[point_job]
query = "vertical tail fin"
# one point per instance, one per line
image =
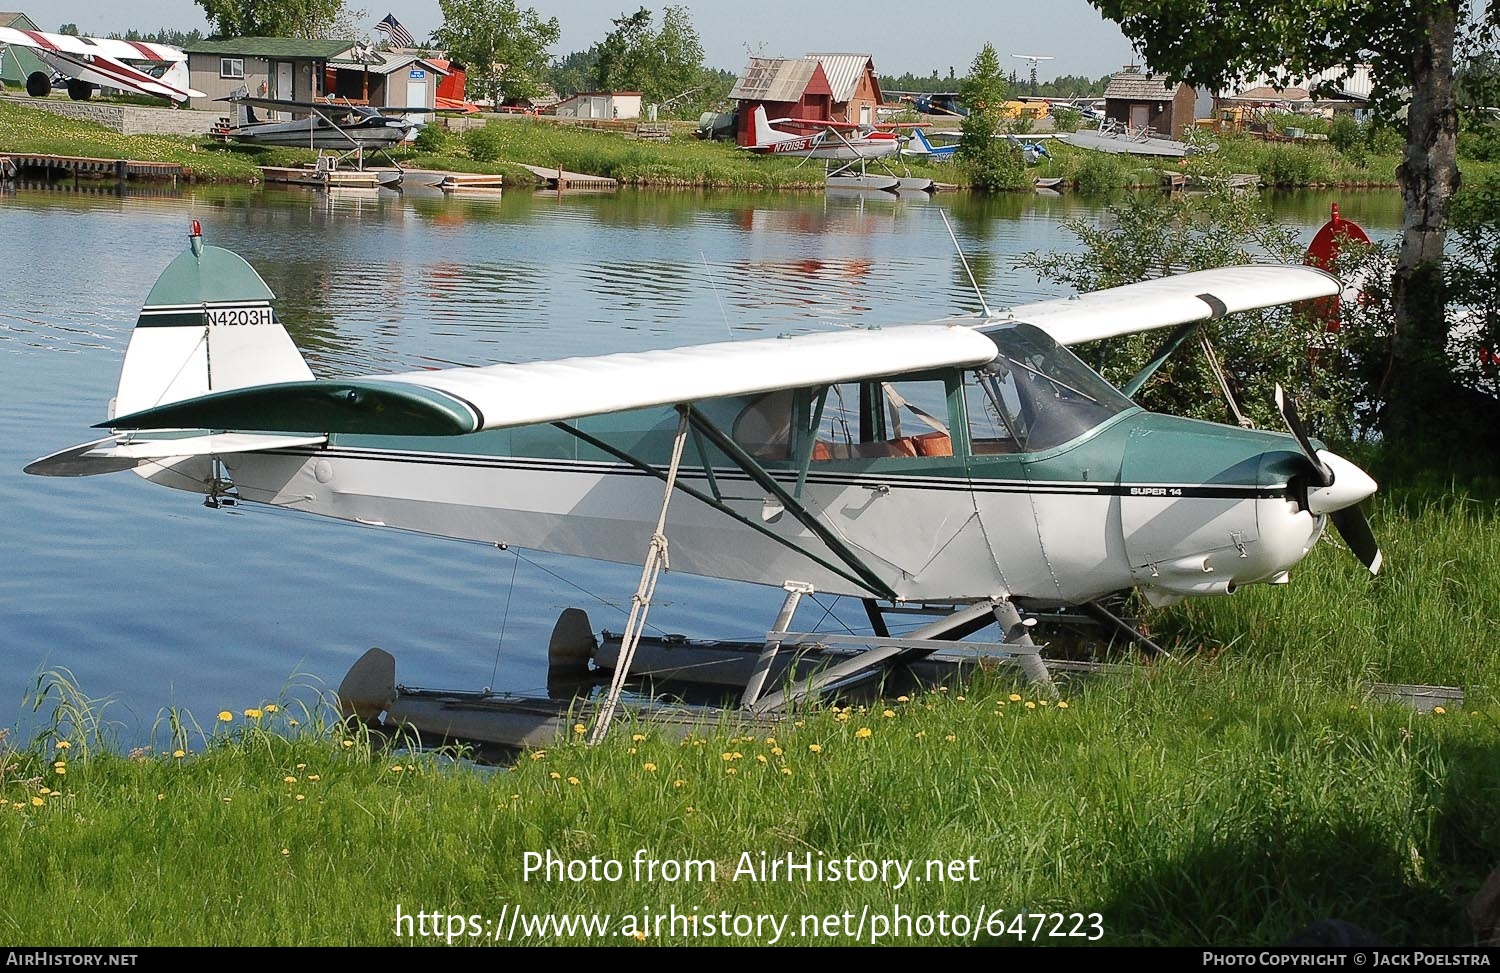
(762, 132)
(207, 326)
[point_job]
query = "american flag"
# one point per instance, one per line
(391, 27)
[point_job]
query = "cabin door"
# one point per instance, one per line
(866, 115)
(416, 91)
(1140, 116)
(283, 85)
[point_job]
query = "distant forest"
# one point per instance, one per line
(1064, 86)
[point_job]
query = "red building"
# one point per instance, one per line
(787, 87)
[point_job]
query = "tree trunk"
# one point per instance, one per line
(1421, 396)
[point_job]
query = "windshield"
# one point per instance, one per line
(1035, 394)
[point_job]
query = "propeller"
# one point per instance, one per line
(1336, 487)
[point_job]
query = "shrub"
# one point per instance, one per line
(1066, 119)
(486, 144)
(431, 139)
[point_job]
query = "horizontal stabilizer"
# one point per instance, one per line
(1170, 301)
(109, 455)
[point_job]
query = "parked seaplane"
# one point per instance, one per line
(828, 142)
(335, 125)
(87, 63)
(972, 466)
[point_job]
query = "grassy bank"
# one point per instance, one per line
(1230, 795)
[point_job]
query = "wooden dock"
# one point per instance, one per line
(322, 178)
(49, 166)
(561, 179)
(463, 183)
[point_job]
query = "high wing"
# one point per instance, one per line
(463, 400)
(102, 61)
(322, 107)
(1169, 301)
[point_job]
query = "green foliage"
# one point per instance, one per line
(1344, 134)
(432, 139)
(1288, 165)
(993, 164)
(1145, 236)
(662, 64)
(1066, 119)
(70, 30)
(1473, 282)
(275, 18)
(163, 35)
(1100, 173)
(504, 47)
(487, 144)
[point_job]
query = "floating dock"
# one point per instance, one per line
(323, 178)
(562, 180)
(49, 166)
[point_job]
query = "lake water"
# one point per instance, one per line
(147, 597)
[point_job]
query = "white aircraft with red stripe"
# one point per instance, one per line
(828, 143)
(100, 62)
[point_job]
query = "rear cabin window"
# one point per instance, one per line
(231, 67)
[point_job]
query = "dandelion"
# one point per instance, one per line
(921, 734)
(679, 782)
(649, 768)
(732, 771)
(770, 741)
(253, 714)
(555, 775)
(348, 744)
(61, 770)
(397, 769)
(787, 771)
(640, 936)
(314, 777)
(38, 801)
(580, 729)
(272, 708)
(1438, 710)
(225, 716)
(285, 852)
(777, 751)
(301, 766)
(411, 767)
(289, 779)
(631, 751)
(1015, 697)
(843, 717)
(228, 799)
(863, 733)
(637, 737)
(1046, 703)
(1030, 704)
(1063, 704)
(301, 797)
(888, 714)
(942, 689)
(689, 809)
(903, 699)
(951, 738)
(815, 747)
(179, 754)
(538, 754)
(293, 723)
(64, 745)
(574, 781)
(961, 699)
(800, 724)
(45, 791)
(761, 758)
(161, 797)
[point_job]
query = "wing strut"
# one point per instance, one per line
(640, 604)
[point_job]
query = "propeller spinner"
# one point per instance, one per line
(1336, 487)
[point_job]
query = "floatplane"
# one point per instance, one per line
(846, 149)
(970, 468)
(82, 65)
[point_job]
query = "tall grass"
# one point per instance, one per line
(1229, 795)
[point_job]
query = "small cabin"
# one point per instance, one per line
(601, 104)
(1141, 100)
(289, 68)
(855, 87)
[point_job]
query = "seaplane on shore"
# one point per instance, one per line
(332, 124)
(84, 64)
(971, 467)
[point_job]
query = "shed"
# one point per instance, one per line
(1150, 101)
(854, 84)
(787, 87)
(383, 79)
(601, 104)
(16, 63)
(271, 67)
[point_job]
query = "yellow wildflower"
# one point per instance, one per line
(289, 779)
(348, 744)
(961, 698)
(161, 797)
(45, 791)
(314, 777)
(950, 738)
(888, 714)
(640, 936)
(1439, 710)
(396, 769)
(732, 771)
(38, 801)
(1063, 704)
(631, 750)
(292, 723)
(787, 771)
(942, 689)
(225, 716)
(574, 780)
(253, 714)
(690, 809)
(815, 747)
(538, 754)
(649, 768)
(64, 745)
(61, 769)
(761, 758)
(903, 699)
(301, 797)
(179, 754)
(1030, 704)
(555, 775)
(678, 782)
(580, 729)
(272, 708)
(863, 733)
(1015, 697)
(776, 751)
(921, 734)
(302, 766)
(799, 724)
(286, 851)
(637, 737)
